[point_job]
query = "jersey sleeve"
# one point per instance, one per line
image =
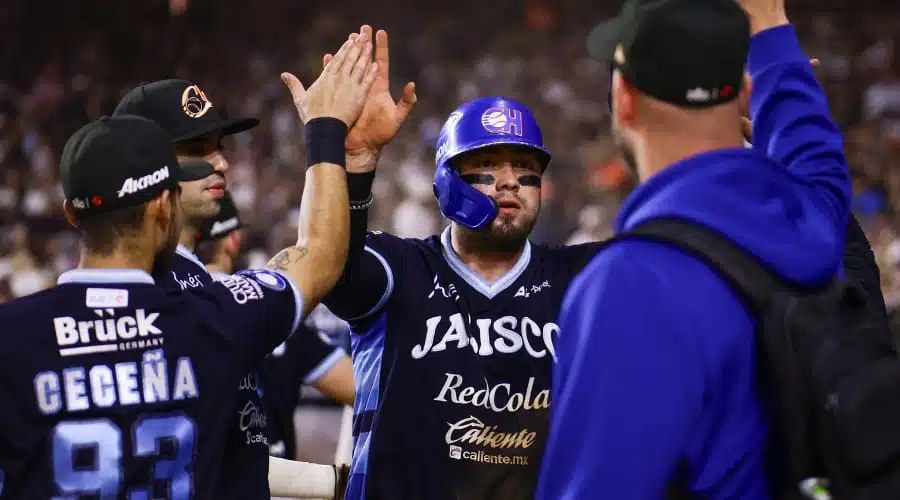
(366, 289)
(301, 359)
(257, 309)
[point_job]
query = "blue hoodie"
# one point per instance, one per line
(656, 378)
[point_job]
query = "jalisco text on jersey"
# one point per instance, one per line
(510, 335)
(499, 397)
(79, 388)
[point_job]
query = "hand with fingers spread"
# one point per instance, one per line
(381, 117)
(340, 91)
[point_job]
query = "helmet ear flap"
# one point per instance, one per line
(460, 202)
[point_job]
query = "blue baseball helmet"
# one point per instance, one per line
(478, 124)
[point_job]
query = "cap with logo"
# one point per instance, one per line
(226, 221)
(120, 161)
(690, 53)
(182, 109)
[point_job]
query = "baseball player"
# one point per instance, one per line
(116, 387)
(304, 358)
(454, 336)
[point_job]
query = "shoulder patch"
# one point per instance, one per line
(242, 287)
(266, 278)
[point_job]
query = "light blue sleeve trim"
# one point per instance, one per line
(298, 299)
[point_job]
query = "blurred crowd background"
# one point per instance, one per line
(65, 62)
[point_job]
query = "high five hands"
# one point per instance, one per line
(380, 118)
(341, 90)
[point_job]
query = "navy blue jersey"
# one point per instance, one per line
(246, 454)
(452, 372)
(186, 273)
(114, 388)
(301, 359)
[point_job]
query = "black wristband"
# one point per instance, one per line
(362, 204)
(325, 141)
(359, 186)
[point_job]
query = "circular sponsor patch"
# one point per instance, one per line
(270, 280)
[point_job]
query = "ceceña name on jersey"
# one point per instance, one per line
(80, 388)
(505, 335)
(108, 333)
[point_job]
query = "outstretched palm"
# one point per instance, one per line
(381, 117)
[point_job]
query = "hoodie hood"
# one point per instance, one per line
(768, 211)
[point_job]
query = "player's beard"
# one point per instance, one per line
(505, 234)
(508, 236)
(198, 211)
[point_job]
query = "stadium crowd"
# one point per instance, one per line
(74, 59)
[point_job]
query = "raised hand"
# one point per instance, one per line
(381, 117)
(341, 90)
(764, 14)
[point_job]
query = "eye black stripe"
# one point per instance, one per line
(530, 180)
(489, 179)
(486, 179)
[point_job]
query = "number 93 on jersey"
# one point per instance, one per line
(89, 458)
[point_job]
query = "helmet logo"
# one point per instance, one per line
(502, 121)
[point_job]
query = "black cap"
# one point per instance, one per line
(226, 221)
(181, 108)
(690, 53)
(117, 162)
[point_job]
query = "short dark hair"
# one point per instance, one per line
(103, 232)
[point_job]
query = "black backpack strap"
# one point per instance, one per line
(758, 286)
(755, 283)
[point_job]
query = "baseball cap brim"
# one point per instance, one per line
(601, 44)
(227, 127)
(602, 39)
(192, 170)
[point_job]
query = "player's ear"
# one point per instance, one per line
(744, 97)
(624, 100)
(159, 210)
(70, 215)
